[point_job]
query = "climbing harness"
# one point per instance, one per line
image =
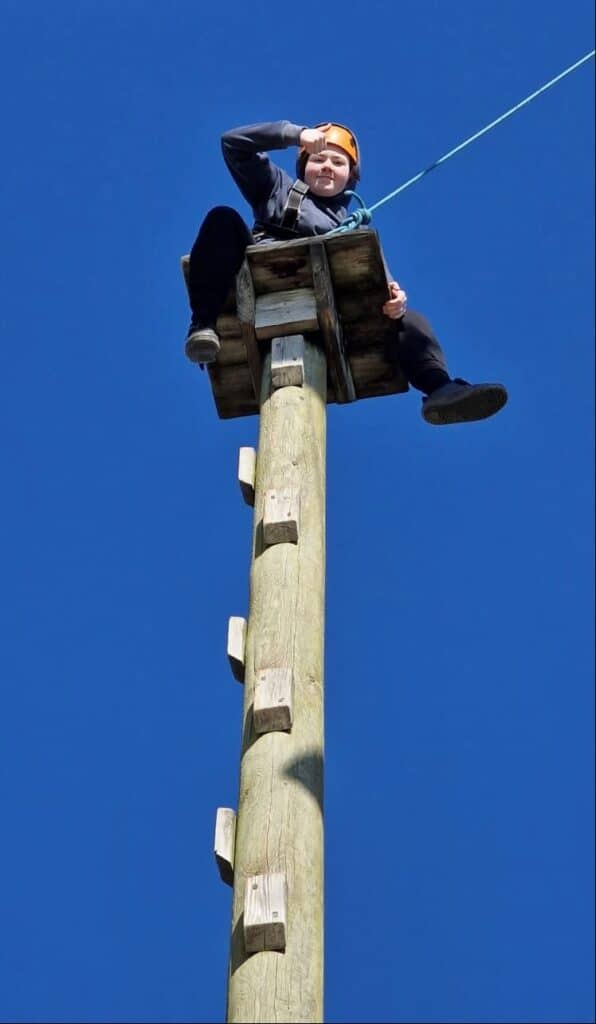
(293, 204)
(286, 229)
(364, 214)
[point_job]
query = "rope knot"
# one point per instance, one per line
(358, 217)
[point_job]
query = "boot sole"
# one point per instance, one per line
(200, 351)
(479, 404)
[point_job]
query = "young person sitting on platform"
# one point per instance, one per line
(328, 164)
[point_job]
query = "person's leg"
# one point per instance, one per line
(215, 259)
(420, 354)
(423, 362)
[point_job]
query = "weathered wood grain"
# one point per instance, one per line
(330, 327)
(280, 816)
(285, 312)
(273, 705)
(247, 467)
(246, 306)
(287, 361)
(225, 841)
(236, 645)
(370, 339)
(281, 515)
(265, 913)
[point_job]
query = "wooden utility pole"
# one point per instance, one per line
(280, 812)
(303, 329)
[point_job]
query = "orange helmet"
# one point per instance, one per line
(337, 135)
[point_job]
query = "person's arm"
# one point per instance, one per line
(245, 153)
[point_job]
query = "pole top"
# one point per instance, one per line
(346, 274)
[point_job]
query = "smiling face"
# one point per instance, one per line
(327, 173)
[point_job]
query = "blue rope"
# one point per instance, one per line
(364, 214)
(357, 218)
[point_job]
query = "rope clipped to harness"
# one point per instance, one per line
(355, 219)
(364, 215)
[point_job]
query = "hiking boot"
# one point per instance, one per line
(460, 402)
(202, 344)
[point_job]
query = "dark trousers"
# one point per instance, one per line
(216, 258)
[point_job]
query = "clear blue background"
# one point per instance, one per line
(459, 729)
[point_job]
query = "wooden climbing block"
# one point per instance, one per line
(273, 700)
(247, 468)
(287, 361)
(285, 312)
(225, 842)
(265, 913)
(280, 516)
(236, 646)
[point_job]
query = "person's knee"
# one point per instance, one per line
(223, 216)
(415, 322)
(223, 226)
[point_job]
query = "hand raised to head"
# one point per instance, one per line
(312, 140)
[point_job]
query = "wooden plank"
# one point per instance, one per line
(280, 516)
(285, 312)
(375, 372)
(273, 705)
(287, 361)
(246, 306)
(247, 469)
(233, 349)
(232, 389)
(280, 266)
(354, 256)
(224, 844)
(236, 646)
(265, 912)
(331, 331)
(370, 339)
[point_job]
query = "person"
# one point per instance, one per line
(327, 167)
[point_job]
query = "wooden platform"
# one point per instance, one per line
(360, 341)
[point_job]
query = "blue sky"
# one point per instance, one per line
(459, 656)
